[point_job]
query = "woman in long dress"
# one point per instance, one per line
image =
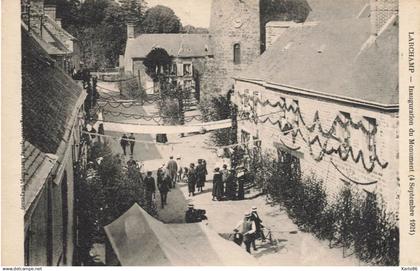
(217, 185)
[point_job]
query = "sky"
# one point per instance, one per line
(192, 12)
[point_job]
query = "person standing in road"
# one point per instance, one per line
(217, 185)
(230, 185)
(247, 228)
(124, 143)
(191, 180)
(132, 142)
(163, 186)
(150, 188)
(258, 226)
(201, 177)
(241, 183)
(172, 170)
(205, 172)
(178, 177)
(225, 174)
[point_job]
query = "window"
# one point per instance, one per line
(174, 69)
(237, 53)
(187, 69)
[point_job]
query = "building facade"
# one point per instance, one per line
(41, 20)
(53, 152)
(232, 44)
(326, 93)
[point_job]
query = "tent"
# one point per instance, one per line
(138, 239)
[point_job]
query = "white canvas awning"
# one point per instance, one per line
(139, 239)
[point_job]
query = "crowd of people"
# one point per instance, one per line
(229, 184)
(166, 177)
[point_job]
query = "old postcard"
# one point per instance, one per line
(210, 133)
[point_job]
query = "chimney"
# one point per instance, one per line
(58, 21)
(274, 29)
(130, 30)
(380, 12)
(50, 11)
(36, 10)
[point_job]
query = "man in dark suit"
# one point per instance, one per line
(163, 186)
(150, 189)
(124, 143)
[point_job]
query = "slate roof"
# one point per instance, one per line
(49, 97)
(328, 58)
(177, 45)
(328, 10)
(37, 167)
(51, 24)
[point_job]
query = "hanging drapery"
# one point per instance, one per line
(167, 129)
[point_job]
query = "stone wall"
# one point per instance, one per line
(333, 170)
(231, 22)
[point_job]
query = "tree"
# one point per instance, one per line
(100, 27)
(161, 19)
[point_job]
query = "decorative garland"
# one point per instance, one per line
(337, 120)
(350, 179)
(344, 155)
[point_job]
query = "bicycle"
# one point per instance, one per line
(267, 236)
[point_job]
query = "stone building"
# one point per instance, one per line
(52, 151)
(232, 44)
(41, 20)
(188, 52)
(325, 94)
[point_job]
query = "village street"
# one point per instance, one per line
(283, 113)
(293, 247)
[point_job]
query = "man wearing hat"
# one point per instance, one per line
(247, 228)
(163, 186)
(172, 167)
(258, 225)
(150, 188)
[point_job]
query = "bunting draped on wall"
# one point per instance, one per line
(344, 151)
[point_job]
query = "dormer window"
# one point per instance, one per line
(237, 53)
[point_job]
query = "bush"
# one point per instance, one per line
(353, 220)
(169, 109)
(107, 192)
(130, 88)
